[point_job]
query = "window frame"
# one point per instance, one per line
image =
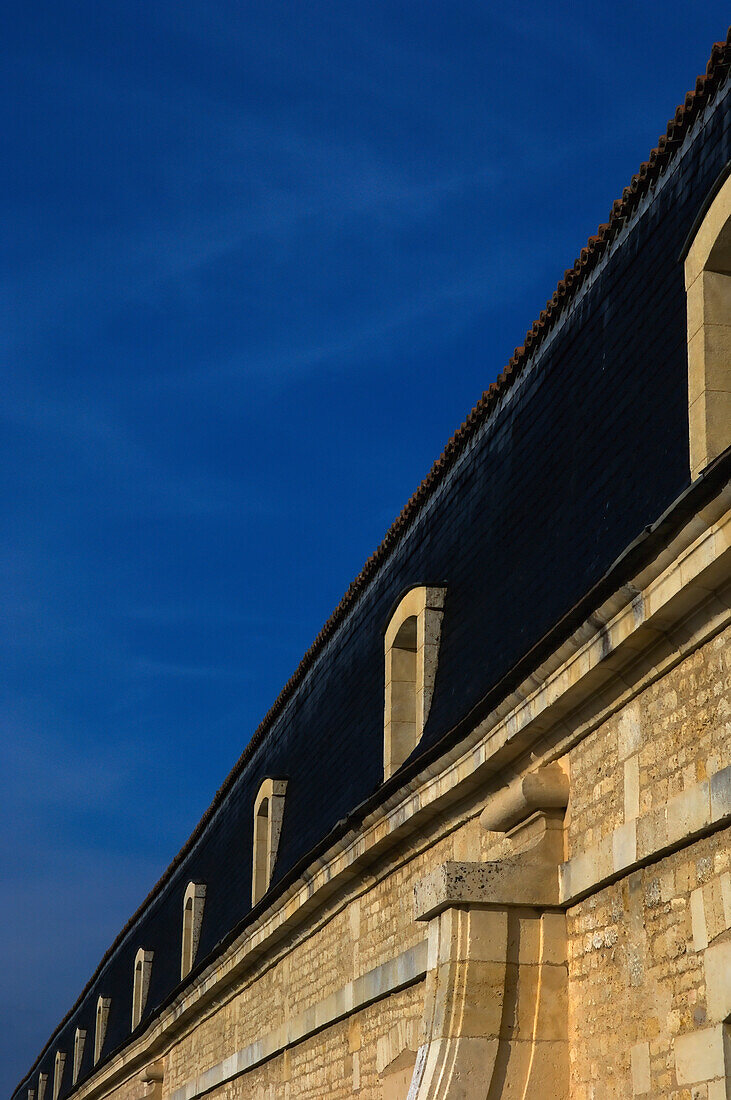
(59, 1065)
(266, 834)
(143, 967)
(101, 1019)
(408, 696)
(708, 298)
(193, 903)
(79, 1043)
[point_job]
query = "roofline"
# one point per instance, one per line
(661, 156)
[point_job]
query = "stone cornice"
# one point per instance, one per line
(646, 627)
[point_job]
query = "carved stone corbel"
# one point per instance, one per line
(152, 1077)
(495, 1014)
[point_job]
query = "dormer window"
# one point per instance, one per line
(193, 902)
(268, 814)
(708, 285)
(58, 1068)
(79, 1040)
(411, 647)
(141, 984)
(102, 1017)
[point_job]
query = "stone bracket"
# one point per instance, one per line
(152, 1077)
(495, 1012)
(499, 883)
(546, 789)
(528, 878)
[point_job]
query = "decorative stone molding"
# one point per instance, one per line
(268, 815)
(546, 789)
(495, 1016)
(708, 286)
(152, 1077)
(480, 997)
(516, 881)
(411, 651)
(193, 903)
(100, 1030)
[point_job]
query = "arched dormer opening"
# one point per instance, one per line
(708, 286)
(100, 1029)
(141, 984)
(411, 651)
(79, 1041)
(58, 1067)
(193, 902)
(268, 815)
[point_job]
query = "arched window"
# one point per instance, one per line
(102, 1017)
(58, 1068)
(411, 647)
(79, 1040)
(708, 285)
(42, 1084)
(193, 902)
(140, 988)
(268, 814)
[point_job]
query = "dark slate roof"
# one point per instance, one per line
(580, 445)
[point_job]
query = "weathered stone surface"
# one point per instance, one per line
(547, 788)
(499, 883)
(700, 1056)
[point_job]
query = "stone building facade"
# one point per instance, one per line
(479, 847)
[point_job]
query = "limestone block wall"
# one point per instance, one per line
(639, 949)
(358, 934)
(637, 978)
(336, 1009)
(340, 1062)
(637, 955)
(671, 737)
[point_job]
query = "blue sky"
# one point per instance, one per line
(259, 260)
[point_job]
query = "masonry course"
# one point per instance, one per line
(341, 981)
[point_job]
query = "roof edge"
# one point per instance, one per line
(706, 86)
